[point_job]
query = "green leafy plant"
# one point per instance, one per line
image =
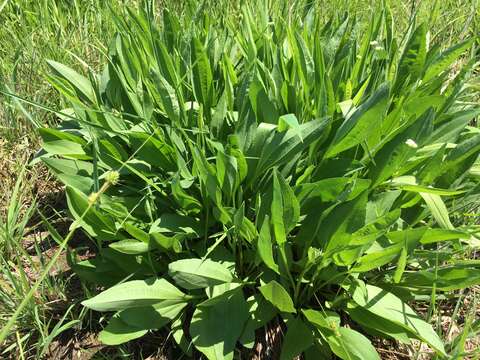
(266, 166)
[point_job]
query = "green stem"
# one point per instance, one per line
(283, 257)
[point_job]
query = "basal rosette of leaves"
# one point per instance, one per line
(269, 167)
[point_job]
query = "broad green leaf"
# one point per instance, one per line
(92, 220)
(137, 233)
(277, 148)
(185, 200)
(262, 105)
(391, 157)
(353, 345)
(327, 320)
(63, 143)
(418, 105)
(328, 190)
(444, 279)
(261, 312)
(118, 332)
(227, 172)
(376, 259)
(302, 58)
(448, 132)
(264, 246)
(180, 337)
(167, 98)
(289, 121)
(390, 307)
(278, 296)
(285, 209)
(174, 223)
(152, 317)
(297, 339)
(215, 330)
(220, 293)
(377, 325)
(152, 150)
(134, 293)
(402, 262)
(356, 129)
(459, 160)
(344, 342)
(80, 83)
(201, 74)
(198, 273)
(110, 152)
(280, 204)
(413, 58)
(72, 173)
(343, 220)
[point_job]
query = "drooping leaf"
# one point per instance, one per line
(134, 293)
(392, 308)
(118, 332)
(77, 81)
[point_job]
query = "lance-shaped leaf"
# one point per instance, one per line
(201, 74)
(216, 329)
(390, 307)
(134, 293)
(438, 209)
(118, 332)
(198, 273)
(357, 128)
(264, 246)
(278, 296)
(413, 58)
(80, 83)
(344, 342)
(281, 205)
(275, 148)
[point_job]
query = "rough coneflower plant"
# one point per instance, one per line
(264, 166)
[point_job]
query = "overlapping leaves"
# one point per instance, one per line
(267, 180)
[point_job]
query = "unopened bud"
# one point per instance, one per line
(112, 177)
(93, 197)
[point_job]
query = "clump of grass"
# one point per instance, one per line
(33, 31)
(42, 319)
